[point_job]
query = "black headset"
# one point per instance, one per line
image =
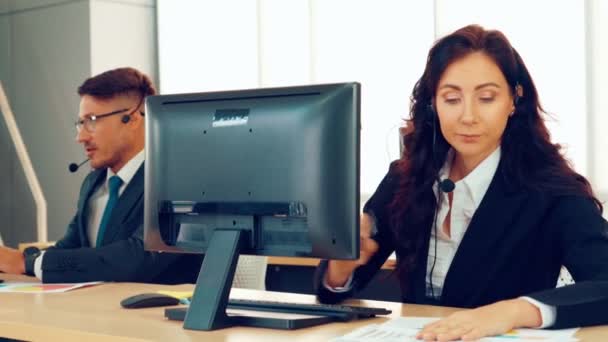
(518, 90)
(127, 117)
(518, 93)
(442, 186)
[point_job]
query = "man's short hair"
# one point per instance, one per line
(121, 81)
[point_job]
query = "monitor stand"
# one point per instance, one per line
(207, 310)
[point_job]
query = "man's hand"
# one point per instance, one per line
(11, 261)
(490, 320)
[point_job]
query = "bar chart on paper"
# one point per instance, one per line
(405, 329)
(41, 288)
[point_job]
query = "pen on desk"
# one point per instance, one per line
(185, 301)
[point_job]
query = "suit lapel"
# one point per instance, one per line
(127, 200)
(418, 282)
(492, 220)
(96, 178)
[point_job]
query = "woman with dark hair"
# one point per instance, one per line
(482, 209)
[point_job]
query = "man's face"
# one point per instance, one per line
(111, 142)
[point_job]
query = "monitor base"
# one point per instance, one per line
(257, 319)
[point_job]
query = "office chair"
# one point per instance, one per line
(251, 272)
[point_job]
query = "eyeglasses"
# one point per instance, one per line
(88, 122)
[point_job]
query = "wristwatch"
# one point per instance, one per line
(30, 254)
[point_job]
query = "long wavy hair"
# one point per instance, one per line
(528, 157)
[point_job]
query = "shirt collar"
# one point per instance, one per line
(127, 172)
(478, 181)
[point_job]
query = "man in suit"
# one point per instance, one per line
(104, 240)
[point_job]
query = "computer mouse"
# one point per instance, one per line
(148, 300)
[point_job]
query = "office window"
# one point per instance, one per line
(550, 37)
(284, 43)
(211, 45)
(242, 44)
(383, 46)
(207, 45)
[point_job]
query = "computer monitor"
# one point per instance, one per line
(260, 171)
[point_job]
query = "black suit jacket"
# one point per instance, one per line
(515, 245)
(121, 257)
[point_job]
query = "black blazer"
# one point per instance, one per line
(121, 256)
(515, 245)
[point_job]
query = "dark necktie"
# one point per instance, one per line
(114, 184)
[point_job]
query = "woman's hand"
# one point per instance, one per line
(490, 320)
(338, 271)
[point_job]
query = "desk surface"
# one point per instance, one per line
(289, 261)
(94, 314)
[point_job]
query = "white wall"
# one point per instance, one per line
(6, 183)
(47, 59)
(5, 51)
(6, 150)
(123, 34)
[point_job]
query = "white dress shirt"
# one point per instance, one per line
(466, 197)
(97, 203)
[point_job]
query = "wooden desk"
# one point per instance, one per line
(94, 314)
(288, 261)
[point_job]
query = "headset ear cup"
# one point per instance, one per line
(125, 118)
(518, 92)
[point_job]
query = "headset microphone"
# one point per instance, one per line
(73, 167)
(447, 185)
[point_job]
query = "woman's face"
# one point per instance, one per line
(473, 101)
